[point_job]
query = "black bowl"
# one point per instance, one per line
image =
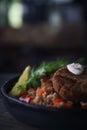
(41, 116)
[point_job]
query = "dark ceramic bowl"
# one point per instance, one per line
(41, 116)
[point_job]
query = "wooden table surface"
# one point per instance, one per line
(7, 121)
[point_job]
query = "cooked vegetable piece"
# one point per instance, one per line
(57, 102)
(21, 86)
(68, 104)
(41, 91)
(62, 104)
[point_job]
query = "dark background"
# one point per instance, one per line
(49, 30)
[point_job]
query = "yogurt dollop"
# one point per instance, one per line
(75, 68)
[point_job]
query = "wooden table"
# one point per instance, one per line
(7, 121)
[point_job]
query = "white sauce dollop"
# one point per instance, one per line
(75, 68)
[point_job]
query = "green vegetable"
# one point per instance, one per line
(80, 60)
(21, 85)
(43, 69)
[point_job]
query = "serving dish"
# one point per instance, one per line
(42, 116)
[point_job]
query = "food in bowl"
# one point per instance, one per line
(58, 84)
(44, 95)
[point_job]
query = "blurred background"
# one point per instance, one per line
(32, 31)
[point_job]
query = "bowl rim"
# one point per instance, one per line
(32, 106)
